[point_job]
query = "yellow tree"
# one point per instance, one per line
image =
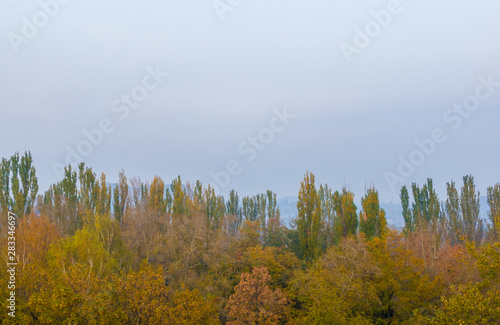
(77, 288)
(338, 287)
(403, 285)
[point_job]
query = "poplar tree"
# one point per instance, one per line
(103, 204)
(18, 184)
(372, 217)
(328, 215)
(494, 213)
(407, 215)
(156, 196)
(473, 226)
(120, 196)
(250, 210)
(179, 200)
(424, 212)
(89, 188)
(462, 212)
(233, 209)
(4, 186)
(215, 207)
(347, 217)
(309, 218)
(24, 184)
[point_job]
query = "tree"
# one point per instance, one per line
(475, 302)
(494, 213)
(18, 184)
(120, 196)
(403, 284)
(473, 227)
(425, 211)
(338, 288)
(89, 188)
(233, 209)
(189, 307)
(215, 207)
(4, 186)
(407, 215)
(372, 217)
(309, 218)
(24, 184)
(61, 203)
(346, 222)
(142, 296)
(103, 202)
(76, 287)
(328, 215)
(180, 199)
(156, 200)
(462, 212)
(253, 301)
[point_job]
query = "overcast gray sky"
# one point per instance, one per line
(363, 80)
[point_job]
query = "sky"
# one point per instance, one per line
(249, 95)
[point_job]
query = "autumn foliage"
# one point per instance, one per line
(135, 252)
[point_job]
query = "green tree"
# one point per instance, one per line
(215, 207)
(179, 199)
(156, 200)
(328, 215)
(120, 196)
(372, 217)
(60, 203)
(424, 212)
(462, 212)
(18, 184)
(407, 214)
(103, 204)
(494, 213)
(4, 186)
(233, 209)
(89, 188)
(309, 218)
(346, 222)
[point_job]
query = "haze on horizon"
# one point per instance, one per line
(272, 90)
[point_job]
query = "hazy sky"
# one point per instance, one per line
(261, 90)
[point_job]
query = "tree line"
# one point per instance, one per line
(156, 253)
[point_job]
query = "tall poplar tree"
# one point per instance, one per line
(494, 213)
(462, 212)
(18, 184)
(309, 218)
(346, 219)
(120, 196)
(372, 220)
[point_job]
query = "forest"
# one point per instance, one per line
(157, 252)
